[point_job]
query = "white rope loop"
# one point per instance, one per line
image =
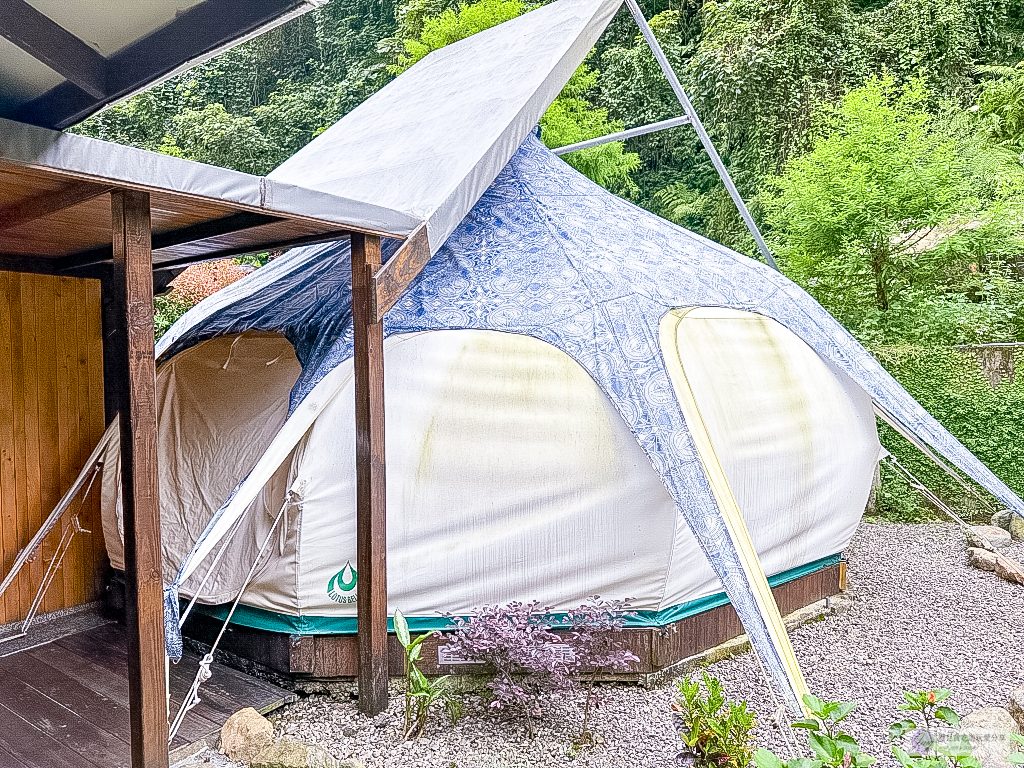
(205, 672)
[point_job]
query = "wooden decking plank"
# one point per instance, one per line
(221, 696)
(64, 725)
(103, 712)
(9, 759)
(115, 687)
(226, 692)
(34, 748)
(105, 646)
(99, 679)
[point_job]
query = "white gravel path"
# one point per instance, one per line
(923, 619)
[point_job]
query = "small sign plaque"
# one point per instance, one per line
(447, 655)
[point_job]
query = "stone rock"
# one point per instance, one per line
(997, 537)
(1009, 521)
(1016, 707)
(982, 558)
(987, 729)
(352, 762)
(1009, 569)
(1002, 518)
(245, 734)
(288, 753)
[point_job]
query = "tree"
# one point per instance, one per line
(1001, 105)
(760, 70)
(849, 216)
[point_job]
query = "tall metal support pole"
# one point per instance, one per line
(371, 533)
(133, 284)
(698, 126)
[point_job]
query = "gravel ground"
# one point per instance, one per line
(923, 619)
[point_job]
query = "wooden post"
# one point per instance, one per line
(133, 289)
(371, 542)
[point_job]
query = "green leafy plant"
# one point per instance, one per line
(1017, 758)
(831, 745)
(717, 732)
(926, 746)
(421, 693)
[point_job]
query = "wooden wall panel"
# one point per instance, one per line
(51, 416)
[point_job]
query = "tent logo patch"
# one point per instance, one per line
(341, 587)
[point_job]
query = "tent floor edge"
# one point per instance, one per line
(300, 659)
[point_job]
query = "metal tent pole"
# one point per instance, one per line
(698, 126)
(629, 133)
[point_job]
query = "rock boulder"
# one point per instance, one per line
(982, 558)
(1016, 707)
(1009, 569)
(289, 753)
(987, 729)
(1009, 521)
(997, 537)
(245, 734)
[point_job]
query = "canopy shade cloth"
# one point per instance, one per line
(414, 158)
(432, 141)
(54, 209)
(603, 292)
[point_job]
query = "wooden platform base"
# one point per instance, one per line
(332, 657)
(65, 704)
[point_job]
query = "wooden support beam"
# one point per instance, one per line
(38, 206)
(44, 39)
(391, 280)
(224, 225)
(133, 283)
(371, 542)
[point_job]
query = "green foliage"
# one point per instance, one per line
(166, 311)
(452, 25)
(761, 68)
(211, 135)
(257, 104)
(717, 732)
(830, 745)
(1017, 758)
(848, 215)
(1001, 105)
(952, 386)
(571, 118)
(421, 693)
(930, 747)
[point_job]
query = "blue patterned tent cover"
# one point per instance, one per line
(549, 254)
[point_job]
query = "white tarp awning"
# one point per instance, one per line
(103, 161)
(431, 142)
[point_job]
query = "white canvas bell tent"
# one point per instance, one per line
(582, 398)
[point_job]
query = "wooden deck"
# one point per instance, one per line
(65, 704)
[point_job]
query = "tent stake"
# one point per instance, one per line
(371, 543)
(702, 134)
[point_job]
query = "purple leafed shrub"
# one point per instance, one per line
(530, 661)
(592, 636)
